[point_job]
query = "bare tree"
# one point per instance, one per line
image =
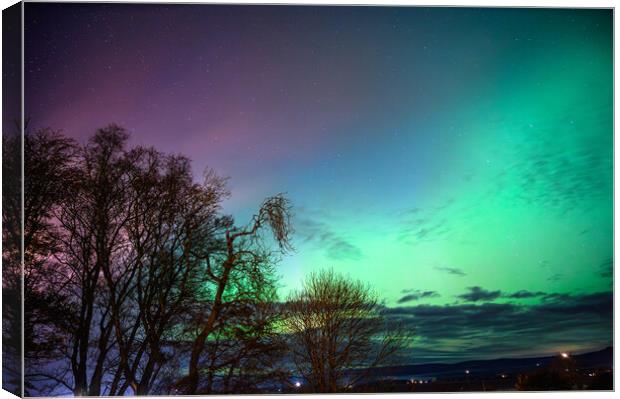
(171, 218)
(11, 261)
(246, 348)
(242, 248)
(259, 349)
(91, 223)
(131, 231)
(47, 159)
(133, 269)
(336, 325)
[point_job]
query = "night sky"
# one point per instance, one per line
(459, 160)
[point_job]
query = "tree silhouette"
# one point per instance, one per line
(11, 262)
(47, 159)
(133, 273)
(336, 325)
(129, 260)
(242, 250)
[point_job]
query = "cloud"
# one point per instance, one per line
(491, 330)
(423, 225)
(552, 172)
(476, 294)
(525, 294)
(340, 249)
(606, 269)
(416, 295)
(335, 245)
(451, 270)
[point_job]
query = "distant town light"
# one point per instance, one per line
(564, 355)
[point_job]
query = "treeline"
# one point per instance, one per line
(136, 282)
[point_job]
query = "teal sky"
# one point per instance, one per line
(506, 177)
(452, 158)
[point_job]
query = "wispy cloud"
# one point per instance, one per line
(475, 331)
(476, 294)
(451, 270)
(336, 246)
(425, 224)
(522, 294)
(342, 249)
(557, 175)
(416, 295)
(606, 268)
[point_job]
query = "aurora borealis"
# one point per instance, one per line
(459, 160)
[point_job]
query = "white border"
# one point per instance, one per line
(462, 3)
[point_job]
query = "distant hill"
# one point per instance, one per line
(487, 368)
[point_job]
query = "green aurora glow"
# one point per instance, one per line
(429, 149)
